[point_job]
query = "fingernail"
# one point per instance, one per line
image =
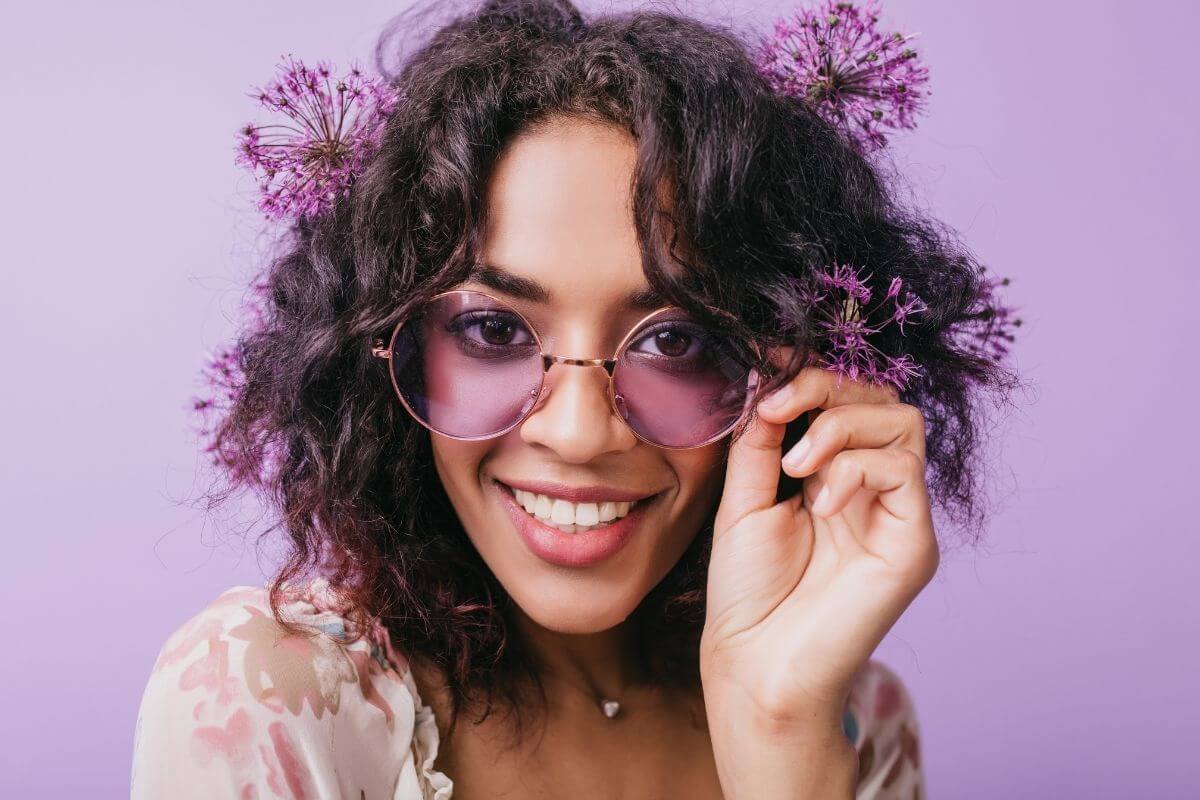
(798, 455)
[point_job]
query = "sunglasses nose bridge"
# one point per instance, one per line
(607, 364)
(549, 360)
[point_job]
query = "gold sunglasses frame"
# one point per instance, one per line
(384, 351)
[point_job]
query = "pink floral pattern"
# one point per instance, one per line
(881, 720)
(237, 708)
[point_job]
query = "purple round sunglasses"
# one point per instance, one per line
(468, 366)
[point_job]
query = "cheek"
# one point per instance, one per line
(700, 473)
(457, 464)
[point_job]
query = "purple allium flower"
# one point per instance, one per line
(221, 380)
(837, 298)
(856, 77)
(307, 162)
(990, 326)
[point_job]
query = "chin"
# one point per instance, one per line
(564, 605)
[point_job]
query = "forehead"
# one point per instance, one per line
(559, 215)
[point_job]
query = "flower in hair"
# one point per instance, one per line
(858, 78)
(989, 326)
(221, 381)
(305, 162)
(837, 298)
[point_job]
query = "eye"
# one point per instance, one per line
(488, 333)
(499, 330)
(671, 340)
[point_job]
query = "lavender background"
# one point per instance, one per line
(1057, 661)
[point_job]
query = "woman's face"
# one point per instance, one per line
(560, 217)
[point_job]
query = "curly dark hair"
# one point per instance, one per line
(761, 190)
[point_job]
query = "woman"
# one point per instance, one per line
(521, 401)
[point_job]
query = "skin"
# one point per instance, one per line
(797, 600)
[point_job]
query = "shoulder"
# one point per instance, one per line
(237, 705)
(881, 720)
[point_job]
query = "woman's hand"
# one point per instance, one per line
(802, 591)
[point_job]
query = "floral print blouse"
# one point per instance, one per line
(235, 708)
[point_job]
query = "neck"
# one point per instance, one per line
(606, 660)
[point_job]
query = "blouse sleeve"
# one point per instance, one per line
(881, 721)
(235, 707)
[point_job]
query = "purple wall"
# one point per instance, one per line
(1056, 661)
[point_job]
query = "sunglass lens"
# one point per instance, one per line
(680, 385)
(467, 366)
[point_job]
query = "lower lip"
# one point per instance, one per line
(571, 549)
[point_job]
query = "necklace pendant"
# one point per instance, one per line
(610, 708)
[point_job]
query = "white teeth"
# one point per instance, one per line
(587, 514)
(563, 512)
(567, 516)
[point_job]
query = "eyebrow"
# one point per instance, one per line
(515, 285)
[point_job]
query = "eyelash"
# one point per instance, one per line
(696, 360)
(696, 337)
(472, 319)
(465, 322)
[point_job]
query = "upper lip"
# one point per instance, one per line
(578, 494)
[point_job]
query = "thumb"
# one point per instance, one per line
(751, 474)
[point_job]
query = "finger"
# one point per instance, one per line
(821, 388)
(751, 473)
(898, 476)
(856, 426)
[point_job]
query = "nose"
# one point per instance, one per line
(574, 417)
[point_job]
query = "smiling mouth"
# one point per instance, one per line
(570, 517)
